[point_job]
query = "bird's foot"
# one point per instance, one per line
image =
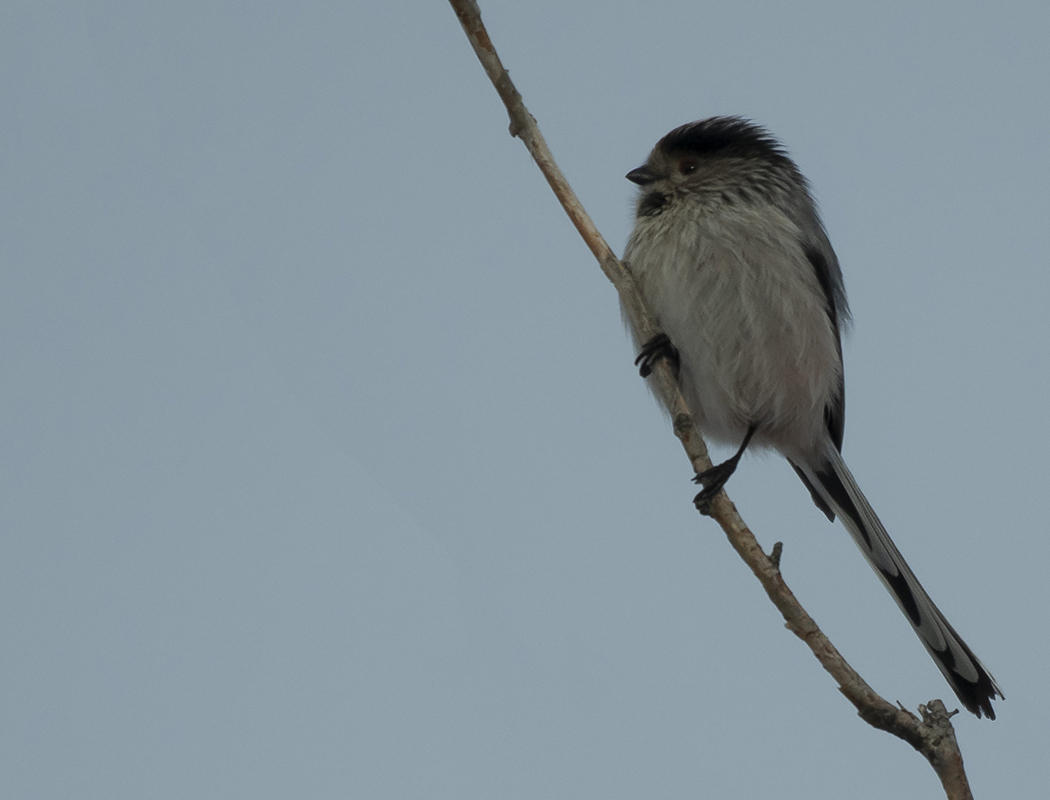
(652, 351)
(712, 480)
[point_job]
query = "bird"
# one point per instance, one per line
(729, 252)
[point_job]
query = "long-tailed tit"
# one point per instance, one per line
(731, 255)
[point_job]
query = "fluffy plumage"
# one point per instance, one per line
(731, 256)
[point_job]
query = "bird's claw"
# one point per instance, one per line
(652, 351)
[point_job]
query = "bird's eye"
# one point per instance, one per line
(687, 166)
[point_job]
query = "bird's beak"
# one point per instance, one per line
(643, 175)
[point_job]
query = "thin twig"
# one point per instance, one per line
(933, 735)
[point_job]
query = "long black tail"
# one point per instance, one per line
(973, 684)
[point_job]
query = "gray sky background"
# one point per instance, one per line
(324, 471)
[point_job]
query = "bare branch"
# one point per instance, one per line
(933, 735)
(523, 125)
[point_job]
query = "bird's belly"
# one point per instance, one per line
(755, 353)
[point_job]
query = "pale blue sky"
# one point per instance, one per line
(324, 471)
